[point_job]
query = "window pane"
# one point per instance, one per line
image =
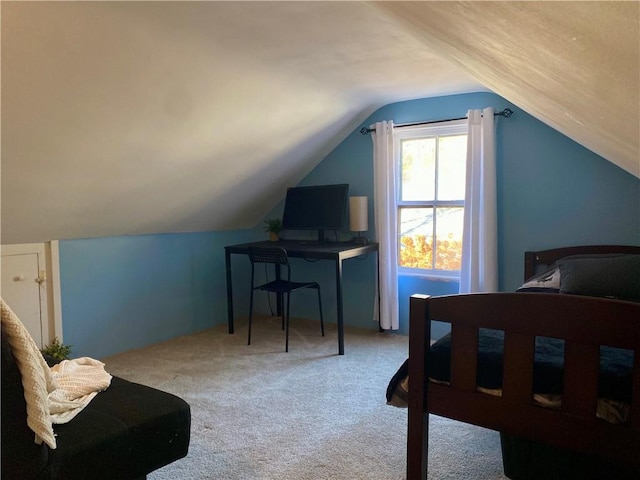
(451, 167)
(416, 237)
(449, 222)
(418, 169)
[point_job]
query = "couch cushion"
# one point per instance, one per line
(126, 432)
(159, 423)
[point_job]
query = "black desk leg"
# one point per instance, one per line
(279, 296)
(227, 259)
(339, 302)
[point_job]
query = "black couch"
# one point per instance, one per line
(124, 433)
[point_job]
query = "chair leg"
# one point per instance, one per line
(321, 318)
(286, 345)
(250, 316)
(282, 311)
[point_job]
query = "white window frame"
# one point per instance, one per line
(455, 127)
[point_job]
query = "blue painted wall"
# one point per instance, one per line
(126, 292)
(551, 191)
(121, 293)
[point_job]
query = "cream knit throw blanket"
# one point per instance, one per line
(78, 380)
(53, 395)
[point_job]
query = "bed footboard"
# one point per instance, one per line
(584, 323)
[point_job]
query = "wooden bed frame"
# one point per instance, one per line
(584, 323)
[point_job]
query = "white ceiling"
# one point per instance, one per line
(126, 118)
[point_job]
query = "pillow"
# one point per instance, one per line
(601, 276)
(547, 281)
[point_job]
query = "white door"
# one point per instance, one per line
(22, 289)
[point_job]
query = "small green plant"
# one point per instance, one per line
(57, 349)
(273, 225)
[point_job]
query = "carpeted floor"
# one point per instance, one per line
(261, 413)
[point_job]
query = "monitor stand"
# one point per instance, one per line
(321, 238)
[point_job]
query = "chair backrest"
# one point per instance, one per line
(276, 256)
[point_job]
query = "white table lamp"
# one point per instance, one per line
(358, 217)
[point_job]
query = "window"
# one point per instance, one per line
(431, 163)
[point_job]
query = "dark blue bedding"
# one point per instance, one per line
(611, 275)
(615, 366)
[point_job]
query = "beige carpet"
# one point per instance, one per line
(261, 413)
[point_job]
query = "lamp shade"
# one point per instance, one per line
(358, 214)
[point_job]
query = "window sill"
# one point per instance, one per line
(434, 277)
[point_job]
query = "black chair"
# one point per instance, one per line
(278, 257)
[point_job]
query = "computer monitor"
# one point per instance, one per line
(319, 207)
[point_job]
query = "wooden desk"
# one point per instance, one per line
(336, 251)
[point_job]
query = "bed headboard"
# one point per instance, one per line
(534, 260)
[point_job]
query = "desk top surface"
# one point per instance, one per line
(311, 249)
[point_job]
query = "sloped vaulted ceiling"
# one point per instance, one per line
(573, 65)
(124, 118)
(149, 117)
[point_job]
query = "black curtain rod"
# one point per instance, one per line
(507, 112)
